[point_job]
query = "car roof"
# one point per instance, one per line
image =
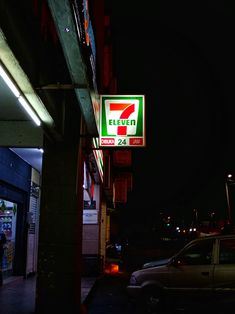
(206, 238)
(214, 236)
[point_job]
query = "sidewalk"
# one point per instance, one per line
(87, 283)
(18, 296)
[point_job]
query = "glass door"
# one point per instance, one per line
(8, 216)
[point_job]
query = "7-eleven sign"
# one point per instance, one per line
(122, 121)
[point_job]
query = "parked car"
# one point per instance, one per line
(203, 269)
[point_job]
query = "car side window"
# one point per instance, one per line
(227, 251)
(197, 254)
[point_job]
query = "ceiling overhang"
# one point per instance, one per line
(20, 134)
(12, 65)
(64, 20)
(16, 128)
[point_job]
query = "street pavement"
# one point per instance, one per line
(108, 296)
(103, 295)
(17, 295)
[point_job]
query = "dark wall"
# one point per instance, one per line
(14, 171)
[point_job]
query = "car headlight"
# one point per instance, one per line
(133, 280)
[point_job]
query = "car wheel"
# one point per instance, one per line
(153, 299)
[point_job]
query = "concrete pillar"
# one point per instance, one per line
(60, 231)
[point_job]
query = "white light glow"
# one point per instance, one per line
(17, 94)
(9, 82)
(29, 110)
(19, 82)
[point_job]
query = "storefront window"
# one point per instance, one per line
(8, 216)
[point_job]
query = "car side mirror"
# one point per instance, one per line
(173, 261)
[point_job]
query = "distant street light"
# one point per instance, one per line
(229, 180)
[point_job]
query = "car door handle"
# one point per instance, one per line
(205, 273)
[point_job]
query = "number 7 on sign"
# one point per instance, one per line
(122, 121)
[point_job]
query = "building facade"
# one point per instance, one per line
(58, 57)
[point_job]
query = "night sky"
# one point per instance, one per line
(180, 55)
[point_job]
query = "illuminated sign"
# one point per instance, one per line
(122, 121)
(90, 216)
(98, 154)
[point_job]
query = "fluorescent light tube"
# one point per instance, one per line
(9, 82)
(21, 99)
(29, 110)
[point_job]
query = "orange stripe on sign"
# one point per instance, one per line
(114, 106)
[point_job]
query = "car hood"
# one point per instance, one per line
(159, 262)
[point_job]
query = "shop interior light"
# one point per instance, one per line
(24, 103)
